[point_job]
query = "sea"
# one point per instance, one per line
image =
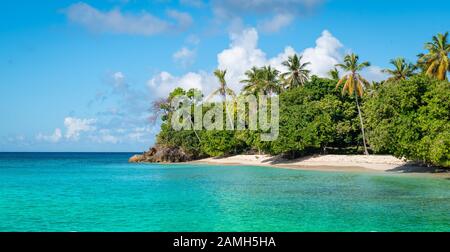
(76, 192)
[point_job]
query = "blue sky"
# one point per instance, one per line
(81, 75)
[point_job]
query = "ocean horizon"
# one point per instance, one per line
(75, 192)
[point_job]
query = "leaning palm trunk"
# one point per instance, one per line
(362, 125)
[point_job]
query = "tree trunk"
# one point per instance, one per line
(362, 125)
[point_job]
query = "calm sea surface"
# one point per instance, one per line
(102, 192)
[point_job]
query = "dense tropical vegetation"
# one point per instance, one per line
(407, 115)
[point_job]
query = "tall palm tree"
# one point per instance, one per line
(436, 60)
(223, 89)
(297, 74)
(354, 83)
(402, 69)
(334, 74)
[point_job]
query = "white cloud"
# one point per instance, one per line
(241, 56)
(243, 53)
(53, 138)
(325, 55)
(75, 126)
(185, 56)
(114, 21)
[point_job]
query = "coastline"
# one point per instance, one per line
(331, 163)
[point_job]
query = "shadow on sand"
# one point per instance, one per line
(279, 160)
(412, 167)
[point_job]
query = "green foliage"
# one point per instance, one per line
(218, 143)
(186, 139)
(411, 118)
(314, 117)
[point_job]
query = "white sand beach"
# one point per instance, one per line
(374, 163)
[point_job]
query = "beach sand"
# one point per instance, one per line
(372, 163)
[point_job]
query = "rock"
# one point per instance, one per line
(162, 154)
(136, 159)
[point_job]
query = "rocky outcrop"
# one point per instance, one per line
(162, 154)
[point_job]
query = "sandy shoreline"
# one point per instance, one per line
(372, 163)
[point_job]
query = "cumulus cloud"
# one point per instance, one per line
(53, 138)
(243, 53)
(325, 55)
(75, 126)
(115, 21)
(184, 57)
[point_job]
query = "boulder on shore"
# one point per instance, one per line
(162, 154)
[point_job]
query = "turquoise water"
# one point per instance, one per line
(102, 192)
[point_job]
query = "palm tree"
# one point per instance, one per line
(422, 66)
(261, 81)
(436, 61)
(270, 80)
(334, 74)
(297, 74)
(354, 83)
(223, 89)
(253, 81)
(402, 70)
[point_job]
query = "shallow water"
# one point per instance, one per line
(102, 192)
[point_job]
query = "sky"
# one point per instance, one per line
(80, 76)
